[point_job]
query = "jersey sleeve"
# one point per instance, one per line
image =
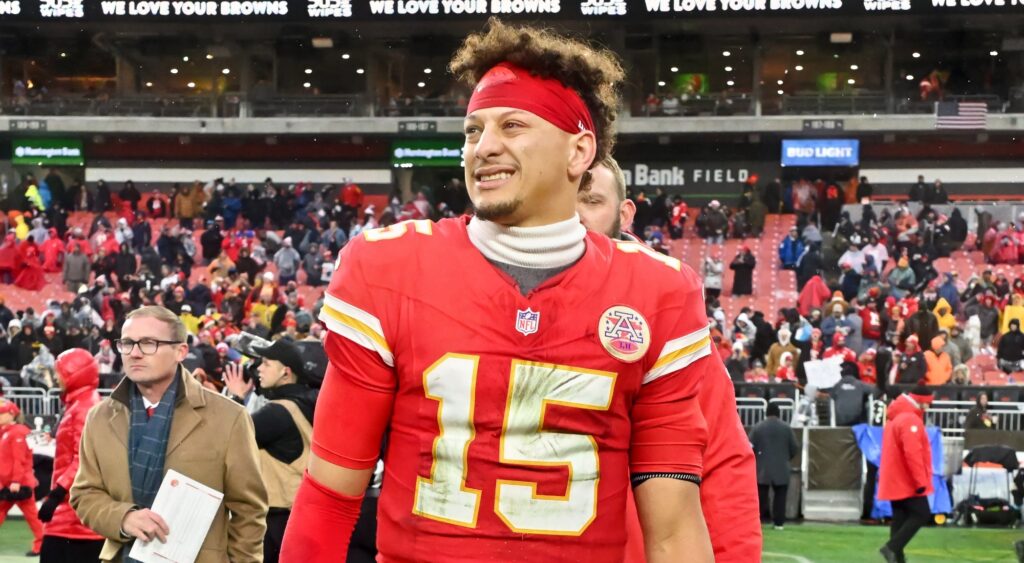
(669, 431)
(357, 395)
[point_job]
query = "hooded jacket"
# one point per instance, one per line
(939, 364)
(944, 314)
(80, 374)
(15, 457)
(906, 466)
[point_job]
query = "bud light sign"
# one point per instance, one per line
(820, 152)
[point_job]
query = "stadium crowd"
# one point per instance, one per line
(868, 288)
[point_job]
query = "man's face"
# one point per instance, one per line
(599, 207)
(153, 368)
(520, 169)
(272, 373)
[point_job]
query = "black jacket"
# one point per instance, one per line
(1011, 346)
(774, 445)
(851, 395)
(276, 432)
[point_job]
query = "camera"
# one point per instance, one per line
(244, 343)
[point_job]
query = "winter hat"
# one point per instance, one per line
(922, 394)
(9, 407)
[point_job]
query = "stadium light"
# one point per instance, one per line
(726, 53)
(360, 71)
(850, 81)
(209, 56)
(174, 71)
(63, 55)
(799, 67)
(800, 52)
(306, 84)
(994, 53)
(730, 83)
(661, 83)
(226, 71)
(674, 69)
(309, 71)
(421, 84)
(910, 77)
(728, 69)
(916, 55)
(427, 71)
(346, 56)
(781, 92)
(184, 59)
(149, 85)
(780, 82)
(854, 67)
(191, 84)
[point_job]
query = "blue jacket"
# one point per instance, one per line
(790, 250)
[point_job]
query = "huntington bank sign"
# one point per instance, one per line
(704, 180)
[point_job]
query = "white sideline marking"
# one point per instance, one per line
(796, 558)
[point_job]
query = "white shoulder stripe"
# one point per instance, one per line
(684, 341)
(677, 363)
(356, 325)
(356, 313)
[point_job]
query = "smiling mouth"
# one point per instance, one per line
(493, 180)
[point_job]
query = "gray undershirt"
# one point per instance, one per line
(529, 278)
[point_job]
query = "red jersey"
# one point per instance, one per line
(516, 420)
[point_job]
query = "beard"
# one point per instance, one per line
(499, 210)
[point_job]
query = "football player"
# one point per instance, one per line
(728, 490)
(527, 373)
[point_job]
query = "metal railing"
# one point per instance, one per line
(751, 411)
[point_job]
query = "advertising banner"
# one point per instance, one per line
(227, 11)
(820, 152)
(407, 153)
(47, 152)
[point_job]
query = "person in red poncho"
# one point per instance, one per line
(53, 250)
(17, 481)
(9, 260)
(65, 538)
(31, 275)
(813, 295)
(905, 473)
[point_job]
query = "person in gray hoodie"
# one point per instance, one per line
(76, 268)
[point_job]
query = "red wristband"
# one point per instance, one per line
(320, 525)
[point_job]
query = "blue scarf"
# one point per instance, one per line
(147, 443)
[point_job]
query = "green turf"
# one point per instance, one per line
(818, 543)
(852, 544)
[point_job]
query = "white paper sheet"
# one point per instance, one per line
(189, 508)
(824, 374)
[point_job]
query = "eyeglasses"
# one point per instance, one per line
(147, 346)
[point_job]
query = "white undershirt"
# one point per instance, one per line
(545, 247)
(146, 403)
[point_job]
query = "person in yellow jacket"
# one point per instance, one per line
(190, 321)
(943, 313)
(1015, 310)
(34, 197)
(20, 227)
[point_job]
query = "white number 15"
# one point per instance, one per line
(533, 386)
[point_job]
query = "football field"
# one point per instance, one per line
(798, 543)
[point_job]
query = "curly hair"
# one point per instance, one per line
(593, 72)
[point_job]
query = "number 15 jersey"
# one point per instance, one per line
(516, 421)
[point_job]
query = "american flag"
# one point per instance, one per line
(960, 115)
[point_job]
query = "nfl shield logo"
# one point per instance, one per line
(527, 321)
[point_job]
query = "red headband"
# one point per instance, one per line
(507, 85)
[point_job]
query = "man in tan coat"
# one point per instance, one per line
(160, 418)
